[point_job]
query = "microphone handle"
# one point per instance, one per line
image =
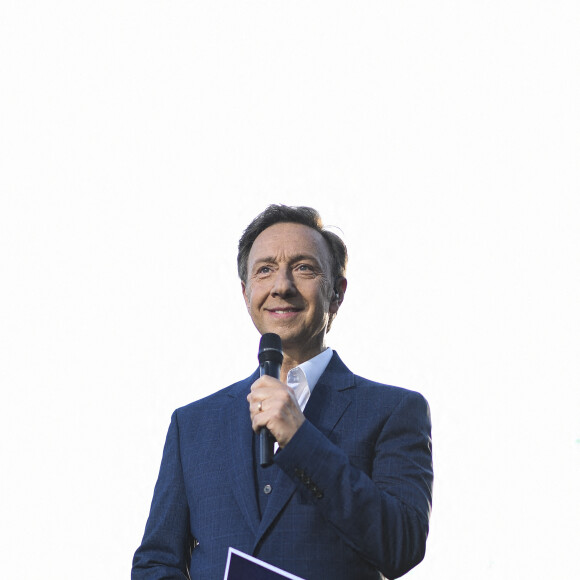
(272, 369)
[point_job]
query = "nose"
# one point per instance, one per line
(283, 284)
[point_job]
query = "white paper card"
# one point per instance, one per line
(240, 566)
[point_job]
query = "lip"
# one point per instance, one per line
(285, 312)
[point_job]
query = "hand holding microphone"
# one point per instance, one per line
(274, 410)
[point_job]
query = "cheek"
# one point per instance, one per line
(253, 297)
(250, 301)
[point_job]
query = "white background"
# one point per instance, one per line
(138, 139)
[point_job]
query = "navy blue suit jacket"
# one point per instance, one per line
(351, 492)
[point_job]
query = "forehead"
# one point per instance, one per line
(284, 240)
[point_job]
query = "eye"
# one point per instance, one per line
(264, 270)
(305, 268)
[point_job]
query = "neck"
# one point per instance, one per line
(295, 357)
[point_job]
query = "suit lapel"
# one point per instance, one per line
(331, 396)
(242, 476)
(327, 404)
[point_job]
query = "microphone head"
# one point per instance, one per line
(270, 348)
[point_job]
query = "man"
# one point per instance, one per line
(348, 495)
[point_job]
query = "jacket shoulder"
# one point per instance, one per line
(390, 390)
(382, 395)
(218, 399)
(343, 379)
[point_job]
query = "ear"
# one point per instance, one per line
(247, 300)
(338, 295)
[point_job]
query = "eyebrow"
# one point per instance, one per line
(293, 259)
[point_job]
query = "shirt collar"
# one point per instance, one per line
(311, 370)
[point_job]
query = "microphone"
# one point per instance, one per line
(270, 358)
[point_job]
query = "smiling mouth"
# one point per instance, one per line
(283, 310)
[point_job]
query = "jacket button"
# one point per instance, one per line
(267, 489)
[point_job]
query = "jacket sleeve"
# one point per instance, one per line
(165, 551)
(383, 515)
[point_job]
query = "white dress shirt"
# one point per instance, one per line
(303, 378)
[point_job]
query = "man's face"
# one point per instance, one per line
(289, 287)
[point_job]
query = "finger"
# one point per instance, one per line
(266, 382)
(259, 420)
(257, 406)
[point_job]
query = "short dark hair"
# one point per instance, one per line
(306, 216)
